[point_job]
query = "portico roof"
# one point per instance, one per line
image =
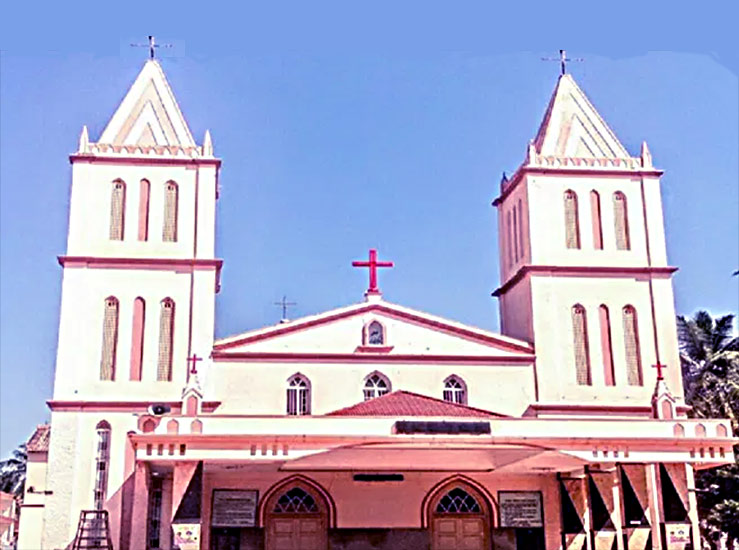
(408, 404)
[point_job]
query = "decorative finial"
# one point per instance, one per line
(285, 304)
(207, 145)
(563, 60)
(372, 264)
(646, 156)
(504, 180)
(151, 45)
(531, 154)
(84, 141)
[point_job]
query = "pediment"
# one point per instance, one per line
(343, 332)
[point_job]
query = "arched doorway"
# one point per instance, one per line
(296, 518)
(459, 518)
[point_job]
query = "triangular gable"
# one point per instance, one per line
(408, 331)
(573, 128)
(149, 114)
(404, 403)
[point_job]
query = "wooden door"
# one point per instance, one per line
(459, 521)
(297, 519)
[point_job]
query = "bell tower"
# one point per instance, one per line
(583, 264)
(139, 275)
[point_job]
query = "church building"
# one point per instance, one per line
(371, 426)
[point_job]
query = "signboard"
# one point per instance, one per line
(520, 509)
(186, 536)
(234, 508)
(678, 536)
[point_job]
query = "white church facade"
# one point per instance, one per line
(372, 426)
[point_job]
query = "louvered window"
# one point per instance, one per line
(166, 339)
(597, 225)
(509, 243)
(110, 339)
(169, 230)
(580, 341)
(454, 391)
(572, 224)
(144, 189)
(117, 210)
(631, 342)
(137, 338)
(376, 385)
(621, 221)
(102, 461)
(520, 229)
(606, 345)
(515, 235)
(298, 396)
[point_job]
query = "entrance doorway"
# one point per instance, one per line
(296, 519)
(459, 519)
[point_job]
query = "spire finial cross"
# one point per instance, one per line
(563, 60)
(194, 359)
(659, 366)
(285, 304)
(373, 264)
(151, 45)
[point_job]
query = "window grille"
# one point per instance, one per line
(144, 190)
(520, 228)
(621, 221)
(102, 460)
(582, 355)
(110, 339)
(606, 345)
(572, 224)
(454, 391)
(597, 225)
(137, 338)
(166, 339)
(169, 230)
(154, 519)
(296, 501)
(375, 386)
(509, 243)
(458, 501)
(117, 210)
(633, 353)
(515, 235)
(298, 396)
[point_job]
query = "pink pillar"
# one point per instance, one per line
(655, 505)
(693, 505)
(140, 506)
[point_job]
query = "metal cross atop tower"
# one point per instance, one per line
(373, 264)
(563, 60)
(659, 366)
(194, 359)
(285, 304)
(151, 45)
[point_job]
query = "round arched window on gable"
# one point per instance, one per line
(455, 390)
(376, 385)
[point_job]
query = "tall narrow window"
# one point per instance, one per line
(110, 339)
(572, 224)
(376, 385)
(633, 353)
(582, 354)
(606, 346)
(117, 210)
(102, 460)
(154, 514)
(455, 390)
(298, 395)
(515, 235)
(520, 228)
(597, 226)
(509, 243)
(144, 190)
(169, 230)
(166, 338)
(621, 221)
(137, 338)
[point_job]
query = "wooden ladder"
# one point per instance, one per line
(93, 531)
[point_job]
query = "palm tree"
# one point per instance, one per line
(13, 472)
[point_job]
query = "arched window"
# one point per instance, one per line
(597, 225)
(580, 341)
(169, 229)
(634, 374)
(117, 210)
(375, 385)
(458, 501)
(515, 234)
(110, 339)
(520, 228)
(298, 395)
(102, 460)
(572, 223)
(455, 390)
(166, 339)
(375, 334)
(509, 244)
(621, 221)
(606, 345)
(296, 501)
(144, 190)
(137, 338)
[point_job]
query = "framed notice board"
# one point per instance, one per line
(234, 508)
(520, 509)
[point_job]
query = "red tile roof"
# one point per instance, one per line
(405, 403)
(39, 441)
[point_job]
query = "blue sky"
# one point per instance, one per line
(337, 138)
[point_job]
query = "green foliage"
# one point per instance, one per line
(13, 472)
(709, 355)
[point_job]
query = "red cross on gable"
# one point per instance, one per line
(659, 367)
(373, 264)
(194, 359)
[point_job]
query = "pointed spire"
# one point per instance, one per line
(503, 180)
(84, 141)
(660, 396)
(646, 156)
(207, 145)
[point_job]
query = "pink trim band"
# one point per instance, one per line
(122, 406)
(368, 358)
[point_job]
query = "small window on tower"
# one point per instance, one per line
(375, 334)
